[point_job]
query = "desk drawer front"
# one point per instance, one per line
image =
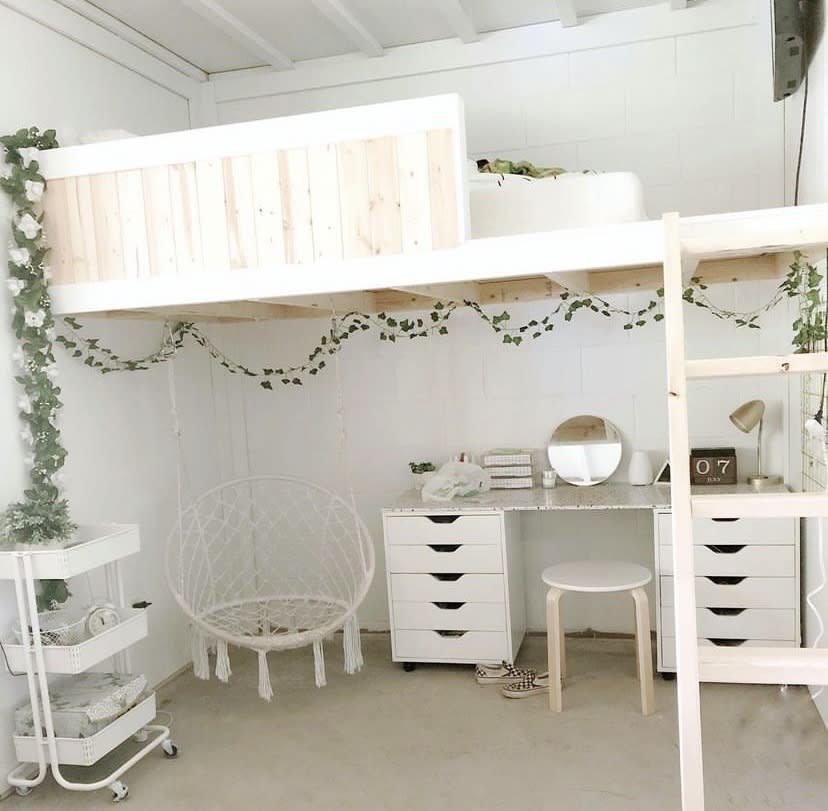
(748, 592)
(738, 561)
(471, 646)
(775, 531)
(450, 616)
(748, 623)
(445, 558)
(442, 528)
(468, 588)
(668, 647)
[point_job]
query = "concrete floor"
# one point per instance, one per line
(434, 739)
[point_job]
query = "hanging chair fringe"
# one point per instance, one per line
(223, 671)
(352, 644)
(198, 650)
(319, 663)
(265, 690)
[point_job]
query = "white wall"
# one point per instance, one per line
(120, 465)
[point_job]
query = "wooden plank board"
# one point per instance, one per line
(56, 226)
(415, 203)
(267, 209)
(185, 218)
(82, 223)
(443, 189)
(384, 196)
(326, 216)
(296, 206)
(214, 243)
(354, 200)
(758, 365)
(158, 212)
(133, 224)
(107, 212)
(238, 199)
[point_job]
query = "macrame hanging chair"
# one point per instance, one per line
(270, 563)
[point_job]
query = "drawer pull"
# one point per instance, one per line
(450, 576)
(449, 606)
(726, 520)
(444, 547)
(728, 549)
(720, 580)
(455, 634)
(726, 643)
(442, 519)
(726, 612)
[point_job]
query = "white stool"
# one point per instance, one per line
(597, 576)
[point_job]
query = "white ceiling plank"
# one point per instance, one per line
(241, 32)
(89, 34)
(567, 13)
(131, 35)
(459, 20)
(350, 26)
(528, 42)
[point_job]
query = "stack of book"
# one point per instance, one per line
(509, 468)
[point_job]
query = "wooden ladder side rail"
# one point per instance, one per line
(687, 653)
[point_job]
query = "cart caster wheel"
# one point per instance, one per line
(408, 667)
(23, 791)
(668, 676)
(170, 749)
(119, 791)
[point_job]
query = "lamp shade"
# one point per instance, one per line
(748, 415)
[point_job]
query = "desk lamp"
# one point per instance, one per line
(746, 417)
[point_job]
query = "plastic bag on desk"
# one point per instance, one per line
(456, 479)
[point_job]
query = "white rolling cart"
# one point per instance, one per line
(101, 546)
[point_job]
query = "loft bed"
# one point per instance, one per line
(368, 208)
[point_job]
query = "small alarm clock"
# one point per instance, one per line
(101, 617)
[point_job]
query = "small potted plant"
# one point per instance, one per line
(421, 472)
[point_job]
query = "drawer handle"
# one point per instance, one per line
(727, 643)
(455, 634)
(450, 576)
(444, 547)
(728, 549)
(720, 580)
(725, 520)
(442, 519)
(449, 606)
(726, 612)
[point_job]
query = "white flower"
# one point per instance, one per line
(28, 154)
(34, 190)
(24, 404)
(35, 319)
(51, 333)
(29, 226)
(52, 372)
(58, 478)
(19, 358)
(26, 435)
(20, 256)
(17, 286)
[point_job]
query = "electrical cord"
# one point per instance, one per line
(6, 658)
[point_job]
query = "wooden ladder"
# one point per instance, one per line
(748, 234)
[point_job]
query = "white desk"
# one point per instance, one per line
(456, 580)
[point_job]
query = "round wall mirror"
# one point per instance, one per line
(585, 450)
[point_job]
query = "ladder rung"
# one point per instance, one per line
(760, 505)
(764, 665)
(758, 365)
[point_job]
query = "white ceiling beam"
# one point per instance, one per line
(131, 35)
(242, 33)
(676, 5)
(567, 13)
(350, 26)
(95, 37)
(459, 20)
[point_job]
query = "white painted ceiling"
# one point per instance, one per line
(214, 35)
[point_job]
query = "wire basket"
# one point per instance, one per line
(56, 628)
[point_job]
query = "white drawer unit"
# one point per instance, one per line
(455, 586)
(747, 583)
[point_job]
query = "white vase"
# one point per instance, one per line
(641, 469)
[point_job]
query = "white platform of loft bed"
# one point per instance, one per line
(516, 238)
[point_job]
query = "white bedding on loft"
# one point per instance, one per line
(514, 204)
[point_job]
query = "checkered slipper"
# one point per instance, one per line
(504, 673)
(527, 686)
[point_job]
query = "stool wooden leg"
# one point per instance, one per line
(644, 649)
(554, 646)
(562, 637)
